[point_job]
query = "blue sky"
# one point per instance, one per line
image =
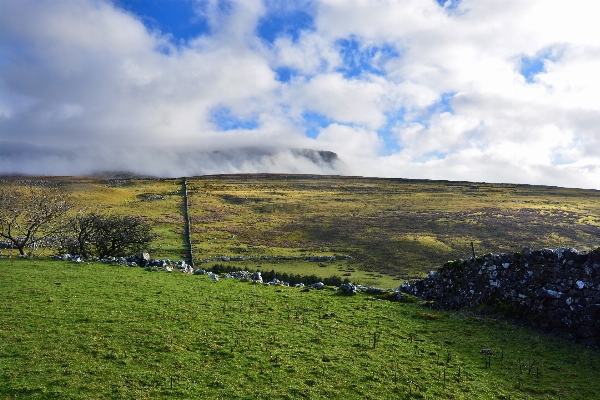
(536, 64)
(359, 59)
(225, 120)
(287, 19)
(460, 89)
(179, 18)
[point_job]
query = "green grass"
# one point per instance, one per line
(398, 228)
(127, 197)
(101, 331)
(393, 229)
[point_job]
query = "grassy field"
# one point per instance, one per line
(94, 331)
(157, 201)
(392, 229)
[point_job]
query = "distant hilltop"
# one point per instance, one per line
(139, 161)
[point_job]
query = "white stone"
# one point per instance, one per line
(556, 295)
(580, 284)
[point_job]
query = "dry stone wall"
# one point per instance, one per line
(558, 290)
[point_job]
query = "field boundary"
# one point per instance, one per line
(186, 217)
(554, 289)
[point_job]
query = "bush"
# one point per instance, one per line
(105, 236)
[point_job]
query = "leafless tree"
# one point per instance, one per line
(31, 216)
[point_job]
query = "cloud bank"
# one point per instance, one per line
(461, 90)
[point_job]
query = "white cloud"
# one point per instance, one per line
(350, 143)
(349, 101)
(79, 73)
(311, 54)
(447, 133)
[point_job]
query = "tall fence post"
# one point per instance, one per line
(186, 216)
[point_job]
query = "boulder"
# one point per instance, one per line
(348, 288)
(257, 277)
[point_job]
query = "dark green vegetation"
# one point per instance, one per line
(393, 229)
(72, 330)
(91, 234)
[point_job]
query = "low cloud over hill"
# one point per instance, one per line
(167, 162)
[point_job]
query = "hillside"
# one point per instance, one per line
(392, 229)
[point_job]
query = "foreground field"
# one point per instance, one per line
(72, 330)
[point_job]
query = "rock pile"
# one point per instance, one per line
(277, 282)
(251, 276)
(138, 260)
(144, 260)
(556, 290)
(256, 276)
(354, 289)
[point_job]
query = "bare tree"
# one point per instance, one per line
(30, 216)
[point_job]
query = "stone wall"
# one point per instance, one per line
(556, 290)
(188, 227)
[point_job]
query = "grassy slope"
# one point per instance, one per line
(394, 229)
(390, 227)
(127, 197)
(99, 331)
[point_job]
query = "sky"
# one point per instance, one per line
(470, 90)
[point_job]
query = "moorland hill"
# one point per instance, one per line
(385, 230)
